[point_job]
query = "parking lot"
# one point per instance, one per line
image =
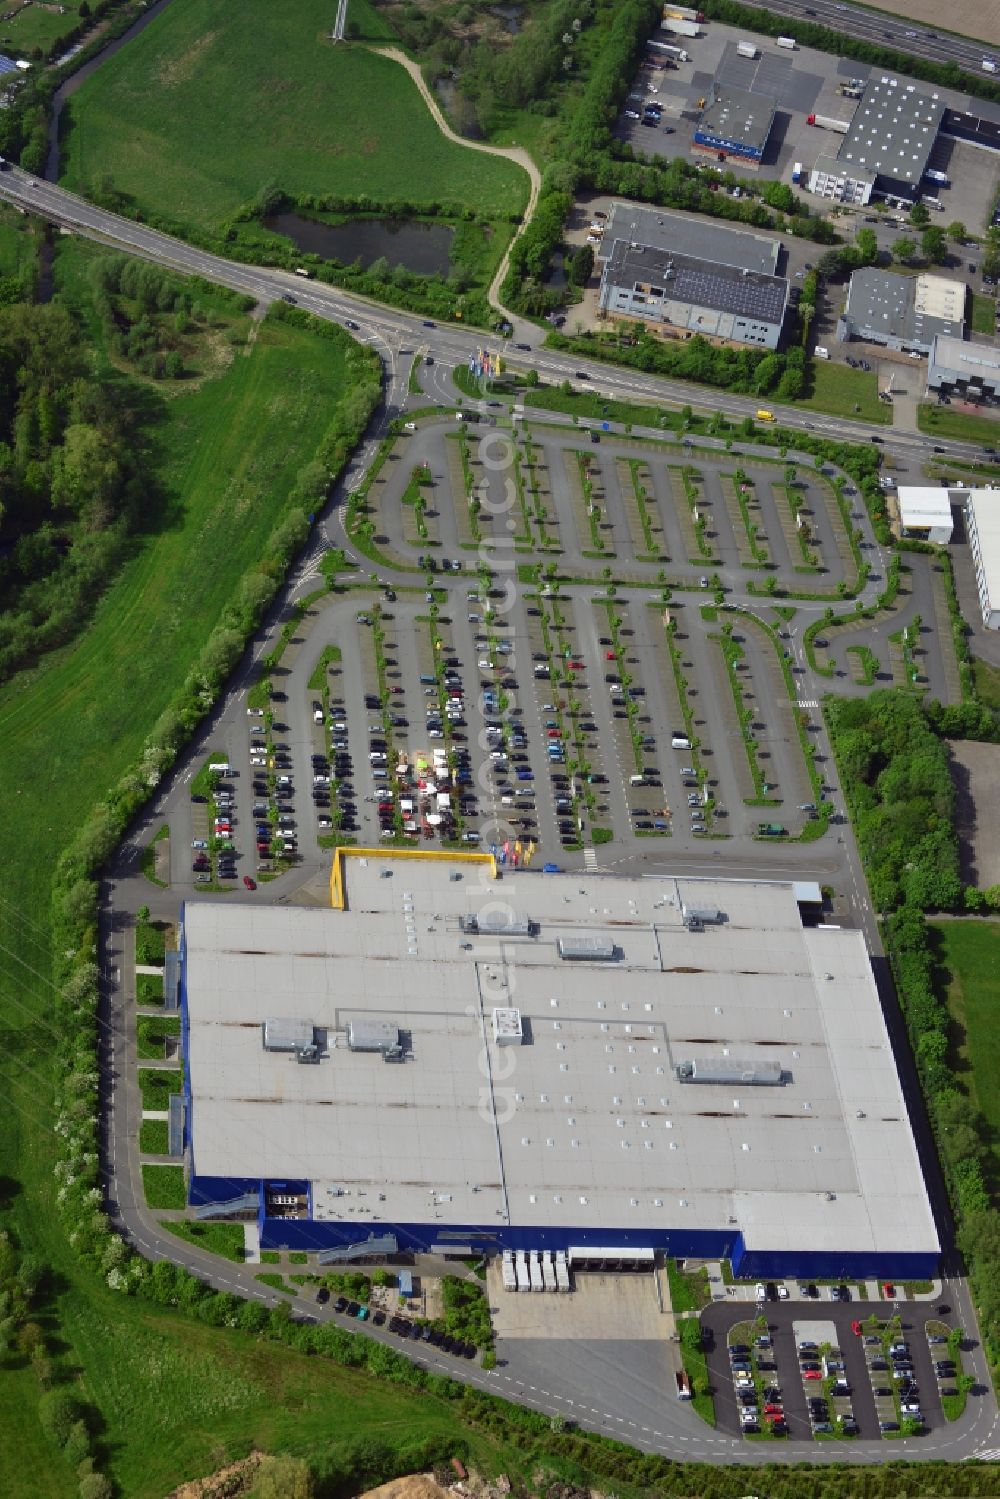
(542, 721)
(802, 82)
(818, 1369)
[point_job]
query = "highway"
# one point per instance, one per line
(885, 30)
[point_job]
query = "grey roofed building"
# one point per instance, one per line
(901, 312)
(683, 234)
(735, 121)
(571, 1128)
(955, 365)
(892, 134)
(693, 294)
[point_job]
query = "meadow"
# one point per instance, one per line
(965, 426)
(968, 954)
(225, 98)
(221, 461)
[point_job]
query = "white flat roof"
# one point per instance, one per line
(921, 505)
(985, 507)
(586, 1123)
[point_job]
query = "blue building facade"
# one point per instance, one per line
(306, 1232)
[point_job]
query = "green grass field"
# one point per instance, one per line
(38, 27)
(987, 680)
(226, 1239)
(837, 389)
(151, 1034)
(217, 99)
(225, 457)
(966, 426)
(153, 1137)
(164, 1186)
(984, 313)
(969, 953)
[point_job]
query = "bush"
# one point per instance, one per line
(59, 1410)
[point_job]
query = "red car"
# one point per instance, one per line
(856, 1329)
(773, 1410)
(250, 884)
(576, 666)
(609, 655)
(812, 1374)
(889, 1291)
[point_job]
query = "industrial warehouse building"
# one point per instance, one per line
(457, 1062)
(687, 278)
(982, 524)
(902, 312)
(734, 123)
(887, 147)
(971, 368)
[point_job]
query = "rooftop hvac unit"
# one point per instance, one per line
(587, 949)
(289, 1035)
(705, 915)
(727, 1070)
(374, 1035)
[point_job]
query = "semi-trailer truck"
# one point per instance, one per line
(787, 41)
(667, 49)
(681, 27)
(682, 13)
(827, 122)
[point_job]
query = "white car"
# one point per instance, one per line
(782, 1293)
(760, 1292)
(255, 713)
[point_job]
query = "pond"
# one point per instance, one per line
(423, 248)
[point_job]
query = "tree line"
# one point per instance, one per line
(892, 755)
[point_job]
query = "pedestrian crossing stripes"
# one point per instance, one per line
(589, 858)
(808, 702)
(988, 1455)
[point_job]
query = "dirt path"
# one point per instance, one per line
(515, 154)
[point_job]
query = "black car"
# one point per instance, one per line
(353, 1308)
(340, 1305)
(322, 1295)
(378, 1318)
(404, 1328)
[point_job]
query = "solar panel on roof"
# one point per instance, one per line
(7, 65)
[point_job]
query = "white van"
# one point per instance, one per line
(820, 352)
(680, 741)
(637, 780)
